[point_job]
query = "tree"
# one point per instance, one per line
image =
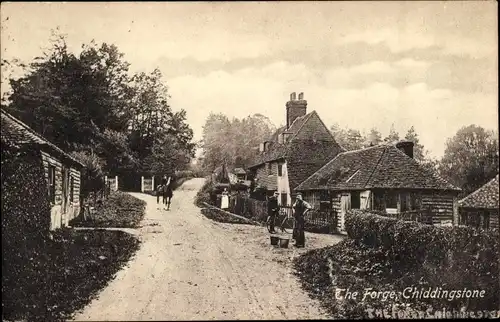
(349, 139)
(373, 138)
(392, 136)
(89, 103)
(419, 153)
(244, 134)
(470, 158)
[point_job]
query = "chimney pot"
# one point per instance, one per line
(301, 96)
(293, 96)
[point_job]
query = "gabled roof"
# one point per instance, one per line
(15, 132)
(276, 150)
(485, 197)
(381, 166)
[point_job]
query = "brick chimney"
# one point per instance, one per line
(406, 147)
(295, 108)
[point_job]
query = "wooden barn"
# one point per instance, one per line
(480, 209)
(61, 172)
(385, 178)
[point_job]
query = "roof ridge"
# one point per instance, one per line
(38, 135)
(376, 166)
(320, 169)
(306, 118)
(478, 189)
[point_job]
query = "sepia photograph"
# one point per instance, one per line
(273, 160)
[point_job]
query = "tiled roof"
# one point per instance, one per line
(485, 197)
(276, 150)
(381, 166)
(15, 132)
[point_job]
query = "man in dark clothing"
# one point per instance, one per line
(300, 208)
(272, 210)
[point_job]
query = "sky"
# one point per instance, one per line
(431, 65)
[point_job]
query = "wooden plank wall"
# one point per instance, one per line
(441, 206)
(58, 218)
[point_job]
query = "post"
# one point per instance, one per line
(455, 211)
(116, 183)
(142, 183)
(153, 183)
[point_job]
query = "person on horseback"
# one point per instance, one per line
(167, 192)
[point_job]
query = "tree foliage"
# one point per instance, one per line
(232, 142)
(90, 102)
(470, 158)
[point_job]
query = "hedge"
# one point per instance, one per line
(447, 257)
(118, 210)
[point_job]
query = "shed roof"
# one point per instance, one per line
(381, 166)
(485, 197)
(15, 132)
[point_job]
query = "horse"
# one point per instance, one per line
(167, 193)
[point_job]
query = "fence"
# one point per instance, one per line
(257, 210)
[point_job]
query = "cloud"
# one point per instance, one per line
(435, 113)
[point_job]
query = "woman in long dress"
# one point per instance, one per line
(224, 202)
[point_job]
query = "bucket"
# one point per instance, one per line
(284, 242)
(274, 240)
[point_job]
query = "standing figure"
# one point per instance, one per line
(272, 211)
(300, 208)
(168, 192)
(224, 202)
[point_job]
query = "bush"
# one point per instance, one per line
(388, 254)
(65, 274)
(118, 210)
(203, 195)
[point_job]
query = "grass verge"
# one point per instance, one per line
(220, 215)
(119, 210)
(65, 275)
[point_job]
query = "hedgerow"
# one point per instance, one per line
(390, 255)
(118, 210)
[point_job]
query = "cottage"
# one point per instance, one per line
(383, 177)
(294, 152)
(480, 209)
(61, 171)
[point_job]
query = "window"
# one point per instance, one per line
(405, 205)
(355, 200)
(486, 220)
(71, 189)
(391, 200)
(52, 184)
(280, 170)
(269, 169)
(284, 199)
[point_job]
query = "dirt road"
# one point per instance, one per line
(190, 267)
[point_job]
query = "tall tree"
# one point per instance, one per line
(349, 139)
(419, 153)
(374, 137)
(89, 103)
(392, 136)
(470, 158)
(232, 142)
